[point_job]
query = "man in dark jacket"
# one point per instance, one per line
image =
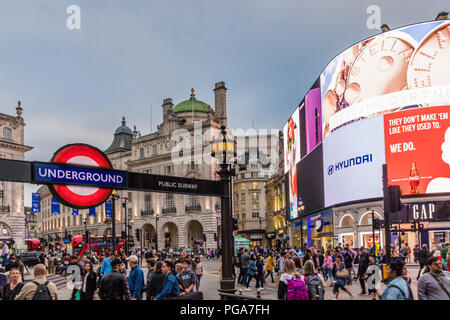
(362, 268)
(114, 286)
(424, 255)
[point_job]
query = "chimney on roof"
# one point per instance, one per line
(220, 103)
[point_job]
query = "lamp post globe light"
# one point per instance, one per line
(223, 148)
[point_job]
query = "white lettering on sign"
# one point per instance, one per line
(79, 176)
(178, 185)
(425, 211)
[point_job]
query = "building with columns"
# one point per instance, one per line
(174, 220)
(178, 220)
(12, 146)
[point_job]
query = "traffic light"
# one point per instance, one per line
(235, 224)
(395, 230)
(413, 227)
(403, 231)
(215, 236)
(124, 234)
(421, 227)
(378, 223)
(147, 236)
(138, 234)
(204, 237)
(395, 194)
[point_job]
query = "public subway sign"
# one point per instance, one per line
(81, 176)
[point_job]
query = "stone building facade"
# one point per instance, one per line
(12, 146)
(257, 161)
(176, 220)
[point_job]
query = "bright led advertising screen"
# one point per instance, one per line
(291, 142)
(399, 69)
(383, 100)
(417, 144)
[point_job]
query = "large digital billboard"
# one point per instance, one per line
(417, 144)
(291, 143)
(384, 100)
(313, 121)
(352, 162)
(407, 67)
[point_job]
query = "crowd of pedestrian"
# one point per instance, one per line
(305, 273)
(298, 274)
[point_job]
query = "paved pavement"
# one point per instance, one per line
(210, 283)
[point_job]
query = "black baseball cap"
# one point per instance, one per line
(115, 262)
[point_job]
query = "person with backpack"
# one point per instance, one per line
(291, 285)
(40, 288)
(396, 287)
(314, 282)
(434, 285)
(341, 276)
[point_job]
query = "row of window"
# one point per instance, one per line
(254, 195)
(254, 215)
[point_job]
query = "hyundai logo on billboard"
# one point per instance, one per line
(349, 163)
(71, 175)
(354, 155)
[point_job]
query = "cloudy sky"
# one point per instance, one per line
(75, 85)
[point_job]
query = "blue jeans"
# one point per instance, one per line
(244, 275)
(327, 273)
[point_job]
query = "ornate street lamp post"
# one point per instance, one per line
(224, 149)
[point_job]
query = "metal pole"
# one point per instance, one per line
(124, 205)
(227, 284)
(156, 234)
(113, 209)
(387, 209)
(373, 232)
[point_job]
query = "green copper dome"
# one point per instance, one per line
(191, 105)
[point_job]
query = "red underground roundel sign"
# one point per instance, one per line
(80, 196)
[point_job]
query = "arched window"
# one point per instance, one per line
(366, 219)
(7, 133)
(347, 221)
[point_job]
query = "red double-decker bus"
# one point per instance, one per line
(98, 245)
(34, 245)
